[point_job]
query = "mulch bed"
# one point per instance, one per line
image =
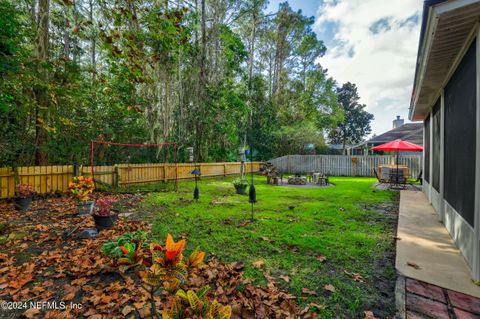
(50, 275)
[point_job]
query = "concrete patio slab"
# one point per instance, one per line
(425, 250)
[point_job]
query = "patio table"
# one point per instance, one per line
(387, 172)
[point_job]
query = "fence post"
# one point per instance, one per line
(115, 176)
(16, 176)
(224, 169)
(75, 169)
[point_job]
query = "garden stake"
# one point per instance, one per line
(196, 192)
(252, 192)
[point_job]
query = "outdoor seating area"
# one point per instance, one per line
(312, 179)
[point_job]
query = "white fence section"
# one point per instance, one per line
(344, 165)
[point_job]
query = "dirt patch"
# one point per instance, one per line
(384, 274)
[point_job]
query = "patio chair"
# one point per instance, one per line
(420, 177)
(376, 175)
(398, 179)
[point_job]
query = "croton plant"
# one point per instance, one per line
(81, 188)
(164, 267)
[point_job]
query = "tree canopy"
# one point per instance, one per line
(356, 122)
(212, 74)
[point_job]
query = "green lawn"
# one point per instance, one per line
(351, 224)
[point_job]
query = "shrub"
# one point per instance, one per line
(104, 206)
(81, 188)
(24, 190)
(240, 183)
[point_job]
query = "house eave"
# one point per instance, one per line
(447, 31)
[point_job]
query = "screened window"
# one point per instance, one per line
(436, 120)
(460, 137)
(426, 153)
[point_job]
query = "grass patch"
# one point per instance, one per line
(351, 224)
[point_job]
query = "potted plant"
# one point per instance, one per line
(81, 188)
(24, 194)
(240, 186)
(103, 216)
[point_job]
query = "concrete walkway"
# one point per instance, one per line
(425, 250)
(438, 279)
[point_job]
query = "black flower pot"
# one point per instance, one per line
(242, 190)
(85, 208)
(104, 222)
(23, 203)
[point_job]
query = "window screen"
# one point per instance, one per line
(436, 120)
(460, 137)
(426, 153)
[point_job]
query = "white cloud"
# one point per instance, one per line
(383, 63)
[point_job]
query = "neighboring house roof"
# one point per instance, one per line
(411, 132)
(337, 146)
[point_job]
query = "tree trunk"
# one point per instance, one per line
(41, 94)
(250, 76)
(66, 38)
(93, 43)
(202, 84)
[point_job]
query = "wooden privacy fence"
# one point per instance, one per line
(344, 165)
(49, 179)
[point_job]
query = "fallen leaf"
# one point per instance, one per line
(144, 312)
(355, 276)
(329, 287)
(90, 312)
(80, 281)
(127, 309)
(238, 265)
(292, 248)
(317, 306)
(258, 264)
(265, 238)
(31, 313)
(285, 278)
(227, 221)
(414, 265)
(321, 258)
(369, 315)
(307, 291)
(20, 282)
(41, 227)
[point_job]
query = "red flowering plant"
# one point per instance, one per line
(104, 206)
(81, 188)
(24, 190)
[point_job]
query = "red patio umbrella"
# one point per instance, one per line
(398, 145)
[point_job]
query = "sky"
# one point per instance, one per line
(372, 43)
